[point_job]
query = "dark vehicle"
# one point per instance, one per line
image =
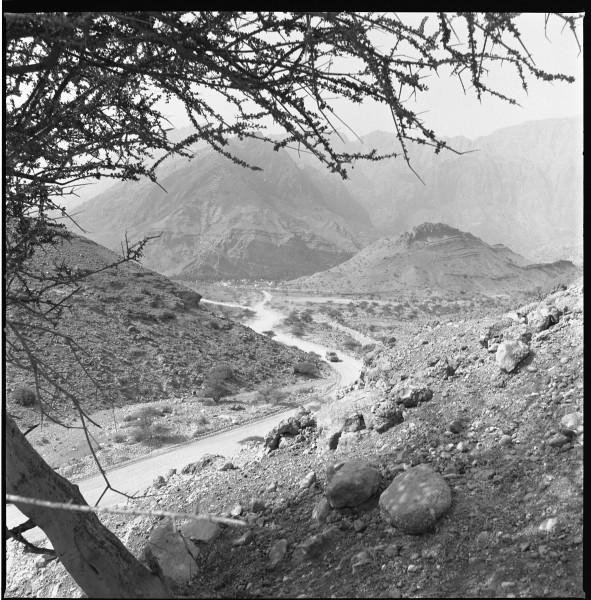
(332, 356)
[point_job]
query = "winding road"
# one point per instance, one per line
(136, 476)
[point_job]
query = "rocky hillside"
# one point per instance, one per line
(435, 257)
(521, 186)
(146, 337)
(219, 220)
(477, 423)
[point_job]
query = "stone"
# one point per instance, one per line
(289, 427)
(244, 539)
(548, 525)
(387, 415)
(353, 482)
(510, 354)
(538, 322)
(361, 558)
(333, 417)
(236, 511)
(456, 426)
(169, 554)
(321, 511)
(158, 482)
(411, 395)
(573, 421)
(314, 546)
(227, 466)
(558, 440)
(506, 440)
(277, 551)
(359, 525)
(307, 481)
(257, 505)
(416, 499)
(201, 530)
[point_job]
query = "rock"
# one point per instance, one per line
(386, 416)
(361, 558)
(573, 421)
(558, 440)
(551, 311)
(510, 354)
(518, 333)
(244, 539)
(354, 422)
(201, 530)
(321, 511)
(169, 554)
(359, 525)
(277, 551)
(506, 440)
(158, 482)
(227, 466)
(236, 511)
(333, 417)
(315, 545)
(307, 481)
(353, 482)
(548, 525)
(538, 322)
(456, 426)
(257, 505)
(416, 499)
(290, 427)
(411, 395)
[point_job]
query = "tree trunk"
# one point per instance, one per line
(98, 561)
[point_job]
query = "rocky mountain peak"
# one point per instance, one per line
(426, 232)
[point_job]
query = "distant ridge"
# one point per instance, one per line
(435, 257)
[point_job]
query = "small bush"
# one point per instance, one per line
(119, 438)
(269, 333)
(214, 324)
(139, 434)
(271, 395)
(24, 396)
(166, 409)
(201, 420)
(297, 331)
(304, 368)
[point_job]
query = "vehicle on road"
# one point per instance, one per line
(332, 356)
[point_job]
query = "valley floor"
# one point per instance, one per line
(515, 526)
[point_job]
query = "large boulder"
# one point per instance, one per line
(386, 415)
(411, 394)
(201, 530)
(170, 554)
(351, 483)
(288, 427)
(510, 354)
(350, 413)
(416, 499)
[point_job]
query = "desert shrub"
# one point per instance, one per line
(119, 438)
(269, 333)
(306, 316)
(214, 324)
(271, 395)
(201, 420)
(166, 409)
(352, 344)
(24, 396)
(166, 315)
(139, 434)
(297, 331)
(304, 367)
(217, 380)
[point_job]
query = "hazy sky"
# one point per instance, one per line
(449, 112)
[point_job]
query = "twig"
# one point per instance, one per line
(123, 511)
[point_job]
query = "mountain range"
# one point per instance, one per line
(520, 186)
(436, 257)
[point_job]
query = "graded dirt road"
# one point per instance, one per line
(136, 476)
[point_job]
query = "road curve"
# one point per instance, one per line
(137, 476)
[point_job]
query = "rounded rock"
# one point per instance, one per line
(416, 499)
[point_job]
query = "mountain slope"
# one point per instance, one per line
(145, 337)
(219, 220)
(435, 257)
(521, 186)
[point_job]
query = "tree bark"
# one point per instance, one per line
(101, 565)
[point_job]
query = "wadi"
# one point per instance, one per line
(251, 352)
